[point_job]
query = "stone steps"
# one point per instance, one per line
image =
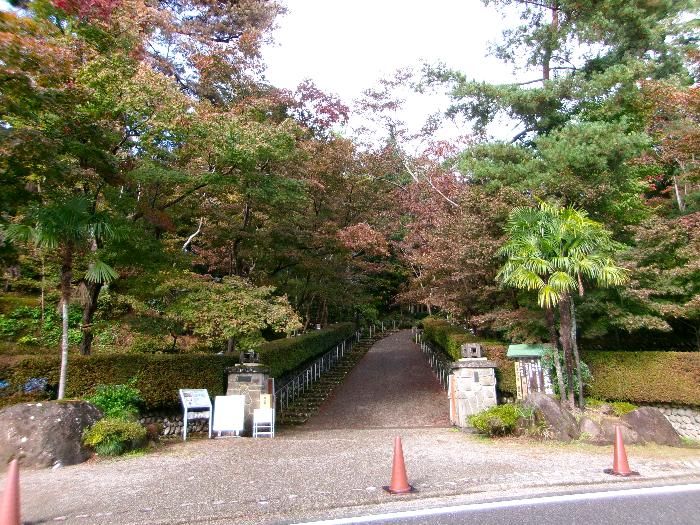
(308, 403)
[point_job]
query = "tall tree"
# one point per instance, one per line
(554, 250)
(68, 228)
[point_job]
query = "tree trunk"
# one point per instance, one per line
(565, 334)
(230, 345)
(43, 288)
(555, 346)
(89, 310)
(548, 50)
(577, 359)
(66, 278)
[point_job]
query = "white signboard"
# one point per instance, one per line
(229, 412)
(196, 405)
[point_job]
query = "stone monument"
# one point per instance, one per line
(472, 386)
(250, 380)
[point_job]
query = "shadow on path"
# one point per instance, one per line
(391, 387)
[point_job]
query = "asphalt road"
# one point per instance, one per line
(665, 505)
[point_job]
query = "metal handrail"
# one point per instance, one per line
(303, 380)
(439, 363)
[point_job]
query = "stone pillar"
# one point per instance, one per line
(249, 380)
(472, 388)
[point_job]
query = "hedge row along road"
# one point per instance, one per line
(160, 375)
(638, 377)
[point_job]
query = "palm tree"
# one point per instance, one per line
(553, 250)
(67, 227)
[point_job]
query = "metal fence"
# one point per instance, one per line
(303, 380)
(440, 364)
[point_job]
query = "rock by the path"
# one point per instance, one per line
(629, 435)
(591, 430)
(561, 424)
(652, 426)
(46, 434)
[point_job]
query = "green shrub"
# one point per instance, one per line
(112, 437)
(161, 375)
(9, 327)
(118, 401)
(451, 338)
(645, 377)
(499, 420)
(285, 355)
(622, 407)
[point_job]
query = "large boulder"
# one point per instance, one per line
(46, 434)
(652, 426)
(561, 424)
(591, 432)
(629, 435)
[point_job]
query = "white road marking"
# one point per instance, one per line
(565, 498)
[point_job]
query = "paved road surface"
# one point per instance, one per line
(665, 505)
(391, 387)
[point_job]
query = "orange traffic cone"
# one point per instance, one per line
(9, 508)
(620, 465)
(399, 481)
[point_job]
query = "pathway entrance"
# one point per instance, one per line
(391, 387)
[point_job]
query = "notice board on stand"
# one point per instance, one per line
(195, 405)
(229, 414)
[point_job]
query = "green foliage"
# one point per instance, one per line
(552, 250)
(450, 338)
(285, 355)
(233, 308)
(499, 420)
(114, 436)
(622, 407)
(118, 401)
(159, 376)
(645, 377)
(548, 363)
(9, 327)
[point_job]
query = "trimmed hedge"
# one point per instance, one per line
(160, 375)
(645, 377)
(451, 338)
(285, 355)
(637, 377)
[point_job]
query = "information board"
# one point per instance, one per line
(229, 414)
(195, 398)
(196, 405)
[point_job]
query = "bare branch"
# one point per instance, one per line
(189, 239)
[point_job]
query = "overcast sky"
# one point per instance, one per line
(345, 46)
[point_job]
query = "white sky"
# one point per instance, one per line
(346, 46)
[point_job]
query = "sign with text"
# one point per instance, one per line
(195, 398)
(195, 405)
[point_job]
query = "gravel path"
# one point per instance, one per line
(315, 473)
(391, 387)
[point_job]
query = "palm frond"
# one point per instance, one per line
(100, 272)
(561, 282)
(548, 297)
